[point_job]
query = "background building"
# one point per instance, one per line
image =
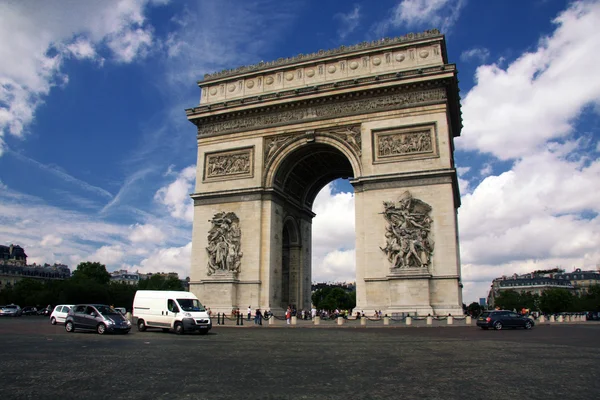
(537, 282)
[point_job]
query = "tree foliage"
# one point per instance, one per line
(332, 297)
(90, 283)
(474, 308)
(92, 271)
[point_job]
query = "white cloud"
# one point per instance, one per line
(147, 233)
(172, 259)
(46, 35)
(423, 13)
(176, 196)
(333, 236)
(512, 112)
(107, 255)
(479, 54)
(51, 241)
(348, 22)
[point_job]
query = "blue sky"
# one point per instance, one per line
(97, 158)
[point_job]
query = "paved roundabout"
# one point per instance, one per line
(41, 361)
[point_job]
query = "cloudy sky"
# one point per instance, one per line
(97, 158)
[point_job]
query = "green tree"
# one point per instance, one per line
(556, 301)
(474, 308)
(159, 282)
(508, 300)
(93, 271)
(332, 297)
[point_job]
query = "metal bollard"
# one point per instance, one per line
(408, 320)
(450, 319)
(363, 321)
(241, 319)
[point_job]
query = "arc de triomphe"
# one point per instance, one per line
(270, 136)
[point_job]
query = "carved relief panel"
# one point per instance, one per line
(230, 164)
(413, 142)
(409, 242)
(224, 247)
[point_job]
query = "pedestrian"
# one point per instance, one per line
(313, 312)
(258, 317)
(288, 315)
(249, 312)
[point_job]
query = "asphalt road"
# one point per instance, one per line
(41, 361)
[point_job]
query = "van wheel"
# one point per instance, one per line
(69, 327)
(101, 329)
(179, 328)
(165, 329)
(53, 321)
(141, 325)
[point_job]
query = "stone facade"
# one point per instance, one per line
(383, 114)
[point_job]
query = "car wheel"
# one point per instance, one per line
(101, 329)
(528, 325)
(141, 325)
(53, 321)
(165, 329)
(69, 327)
(179, 328)
(498, 326)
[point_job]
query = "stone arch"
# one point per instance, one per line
(306, 141)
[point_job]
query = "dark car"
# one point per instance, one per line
(96, 317)
(29, 311)
(500, 319)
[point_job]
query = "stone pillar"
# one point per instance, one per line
(340, 320)
(272, 320)
(468, 320)
(552, 319)
(386, 320)
(363, 321)
(129, 317)
(408, 320)
(450, 320)
(542, 319)
(561, 318)
(429, 320)
(568, 318)
(294, 320)
(317, 320)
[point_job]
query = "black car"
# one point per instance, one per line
(96, 317)
(29, 311)
(500, 319)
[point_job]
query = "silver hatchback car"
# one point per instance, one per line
(96, 317)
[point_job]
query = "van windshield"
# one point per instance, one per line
(190, 305)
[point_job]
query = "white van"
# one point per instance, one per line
(180, 311)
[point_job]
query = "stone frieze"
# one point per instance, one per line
(326, 110)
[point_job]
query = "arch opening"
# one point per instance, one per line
(301, 176)
(305, 171)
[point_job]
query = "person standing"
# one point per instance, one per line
(258, 317)
(249, 312)
(288, 315)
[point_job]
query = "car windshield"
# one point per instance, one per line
(106, 310)
(190, 305)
